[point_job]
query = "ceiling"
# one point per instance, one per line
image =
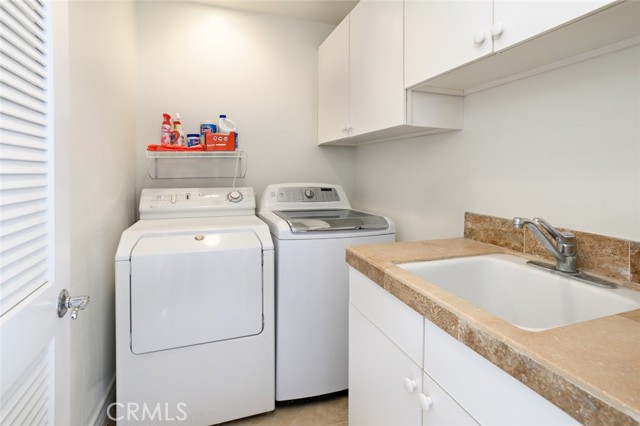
(325, 11)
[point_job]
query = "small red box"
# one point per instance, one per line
(219, 141)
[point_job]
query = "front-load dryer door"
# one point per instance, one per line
(190, 289)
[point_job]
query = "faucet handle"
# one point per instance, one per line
(569, 236)
(566, 240)
(563, 237)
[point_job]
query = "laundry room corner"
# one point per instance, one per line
(258, 69)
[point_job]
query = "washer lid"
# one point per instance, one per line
(332, 220)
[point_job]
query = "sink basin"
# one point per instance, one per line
(529, 298)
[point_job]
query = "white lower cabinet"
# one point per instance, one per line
(387, 384)
(390, 383)
(439, 409)
(488, 393)
(384, 383)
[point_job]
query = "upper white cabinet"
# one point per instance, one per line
(454, 44)
(515, 21)
(333, 84)
(439, 36)
(376, 63)
(361, 94)
(397, 68)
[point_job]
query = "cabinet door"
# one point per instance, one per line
(488, 393)
(439, 36)
(398, 322)
(383, 381)
(333, 85)
(376, 66)
(524, 19)
(439, 409)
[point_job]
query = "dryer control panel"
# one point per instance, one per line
(174, 203)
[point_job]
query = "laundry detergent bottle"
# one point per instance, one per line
(177, 135)
(227, 126)
(165, 130)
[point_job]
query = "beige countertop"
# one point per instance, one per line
(591, 370)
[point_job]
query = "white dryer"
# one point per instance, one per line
(311, 225)
(194, 310)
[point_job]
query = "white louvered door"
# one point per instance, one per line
(34, 341)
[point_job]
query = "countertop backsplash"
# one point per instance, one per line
(599, 254)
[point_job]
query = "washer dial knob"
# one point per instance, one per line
(308, 193)
(234, 196)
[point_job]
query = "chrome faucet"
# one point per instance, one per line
(561, 245)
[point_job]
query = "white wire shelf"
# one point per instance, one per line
(196, 164)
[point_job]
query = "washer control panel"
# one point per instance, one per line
(169, 203)
(307, 194)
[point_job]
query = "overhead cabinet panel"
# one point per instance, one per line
(333, 85)
(516, 21)
(441, 35)
(460, 46)
(361, 90)
(376, 66)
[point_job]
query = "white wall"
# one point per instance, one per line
(564, 145)
(102, 188)
(260, 70)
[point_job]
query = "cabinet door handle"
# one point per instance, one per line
(410, 385)
(479, 38)
(497, 29)
(346, 129)
(425, 402)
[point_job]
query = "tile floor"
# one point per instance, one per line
(331, 412)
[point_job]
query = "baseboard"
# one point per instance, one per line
(100, 417)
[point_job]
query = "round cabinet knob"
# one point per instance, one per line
(234, 196)
(425, 402)
(479, 38)
(410, 385)
(309, 193)
(497, 29)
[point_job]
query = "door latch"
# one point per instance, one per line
(74, 304)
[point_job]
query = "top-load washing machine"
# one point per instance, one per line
(311, 225)
(194, 310)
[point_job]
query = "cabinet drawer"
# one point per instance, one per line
(486, 392)
(401, 324)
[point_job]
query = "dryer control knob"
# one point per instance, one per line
(309, 193)
(234, 196)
